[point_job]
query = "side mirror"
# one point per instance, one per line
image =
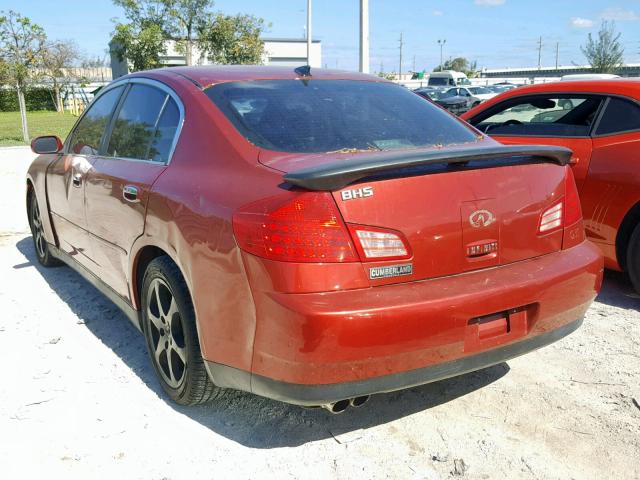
(46, 144)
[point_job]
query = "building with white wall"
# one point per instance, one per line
(277, 51)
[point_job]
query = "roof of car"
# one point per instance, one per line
(207, 75)
(622, 86)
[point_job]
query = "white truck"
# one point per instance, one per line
(448, 78)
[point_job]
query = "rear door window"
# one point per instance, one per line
(540, 116)
(145, 126)
(87, 136)
(620, 115)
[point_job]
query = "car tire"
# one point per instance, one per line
(40, 245)
(169, 327)
(633, 258)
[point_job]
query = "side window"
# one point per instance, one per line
(541, 116)
(165, 133)
(619, 116)
(141, 125)
(88, 134)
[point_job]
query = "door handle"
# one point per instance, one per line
(77, 179)
(130, 193)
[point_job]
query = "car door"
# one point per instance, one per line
(548, 119)
(136, 151)
(67, 175)
(612, 186)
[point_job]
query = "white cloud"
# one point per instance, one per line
(619, 15)
(489, 3)
(579, 22)
(437, 13)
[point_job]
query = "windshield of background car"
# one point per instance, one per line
(312, 116)
(439, 81)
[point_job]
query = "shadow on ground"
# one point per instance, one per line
(247, 419)
(618, 292)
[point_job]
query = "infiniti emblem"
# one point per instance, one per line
(481, 218)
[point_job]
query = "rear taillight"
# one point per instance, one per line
(565, 214)
(551, 219)
(308, 227)
(375, 243)
(572, 209)
(573, 227)
(303, 228)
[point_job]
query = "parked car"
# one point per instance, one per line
(497, 88)
(600, 121)
(481, 93)
(588, 76)
(506, 85)
(310, 236)
(450, 99)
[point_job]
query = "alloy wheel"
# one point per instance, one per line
(38, 233)
(166, 333)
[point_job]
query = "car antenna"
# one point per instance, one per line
(303, 71)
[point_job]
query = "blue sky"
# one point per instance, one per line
(496, 33)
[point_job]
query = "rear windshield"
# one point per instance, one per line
(310, 116)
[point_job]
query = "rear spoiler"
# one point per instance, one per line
(340, 173)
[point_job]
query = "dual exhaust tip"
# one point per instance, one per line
(341, 405)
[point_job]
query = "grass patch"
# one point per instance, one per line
(40, 123)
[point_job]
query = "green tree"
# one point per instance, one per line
(604, 54)
(142, 46)
(21, 45)
(232, 39)
(186, 18)
(459, 64)
(57, 57)
(142, 13)
(141, 41)
(221, 38)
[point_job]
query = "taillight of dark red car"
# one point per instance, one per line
(309, 228)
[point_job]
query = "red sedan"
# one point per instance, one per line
(310, 236)
(600, 122)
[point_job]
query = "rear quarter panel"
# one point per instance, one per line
(189, 216)
(611, 190)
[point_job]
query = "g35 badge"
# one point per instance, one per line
(357, 193)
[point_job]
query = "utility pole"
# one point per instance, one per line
(557, 53)
(441, 43)
(309, 32)
(364, 36)
(400, 62)
(540, 53)
(414, 63)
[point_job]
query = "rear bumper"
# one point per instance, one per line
(317, 348)
(309, 395)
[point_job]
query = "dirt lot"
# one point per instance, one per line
(79, 398)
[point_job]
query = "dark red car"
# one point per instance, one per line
(310, 236)
(600, 121)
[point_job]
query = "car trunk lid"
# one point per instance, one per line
(459, 209)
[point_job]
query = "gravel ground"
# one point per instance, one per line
(79, 398)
